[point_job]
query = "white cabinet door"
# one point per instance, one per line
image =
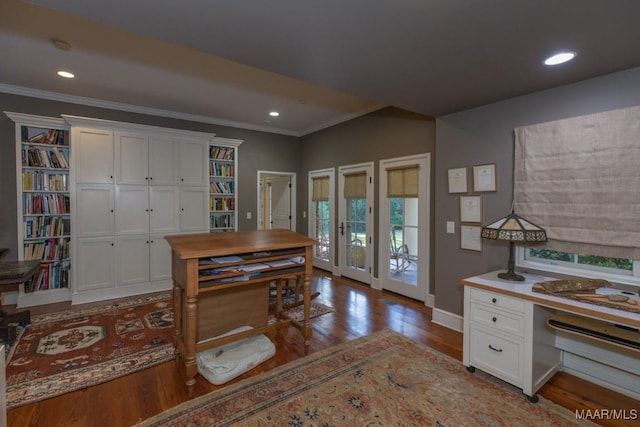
(95, 264)
(132, 158)
(159, 258)
(94, 211)
(163, 161)
(132, 209)
(194, 213)
(93, 151)
(132, 259)
(164, 207)
(193, 163)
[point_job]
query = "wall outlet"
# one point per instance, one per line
(248, 215)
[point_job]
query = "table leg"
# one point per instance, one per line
(306, 330)
(191, 320)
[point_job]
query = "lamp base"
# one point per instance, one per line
(510, 275)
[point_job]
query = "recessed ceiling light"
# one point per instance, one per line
(274, 114)
(66, 74)
(559, 58)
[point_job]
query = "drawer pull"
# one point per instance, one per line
(499, 350)
(494, 300)
(494, 319)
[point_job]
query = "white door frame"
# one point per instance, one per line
(421, 290)
(365, 275)
(331, 264)
(259, 214)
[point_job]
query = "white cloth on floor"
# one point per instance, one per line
(221, 364)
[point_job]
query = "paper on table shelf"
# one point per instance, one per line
(226, 259)
(298, 259)
(279, 262)
(252, 267)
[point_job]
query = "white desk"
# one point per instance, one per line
(505, 334)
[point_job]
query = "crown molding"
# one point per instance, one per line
(91, 102)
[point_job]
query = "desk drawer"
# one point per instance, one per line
(497, 300)
(501, 320)
(496, 355)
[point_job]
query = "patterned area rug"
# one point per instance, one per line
(70, 350)
(66, 351)
(383, 379)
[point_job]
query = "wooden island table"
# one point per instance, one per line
(221, 282)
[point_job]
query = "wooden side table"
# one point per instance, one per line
(12, 275)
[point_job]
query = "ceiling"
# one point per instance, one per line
(318, 63)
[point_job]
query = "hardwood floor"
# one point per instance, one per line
(359, 311)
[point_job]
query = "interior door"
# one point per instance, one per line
(279, 190)
(355, 222)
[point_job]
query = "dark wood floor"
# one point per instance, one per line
(359, 311)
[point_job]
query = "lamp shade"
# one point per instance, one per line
(514, 228)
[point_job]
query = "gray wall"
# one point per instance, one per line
(485, 135)
(383, 134)
(260, 150)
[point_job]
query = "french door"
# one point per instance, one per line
(322, 217)
(355, 221)
(403, 256)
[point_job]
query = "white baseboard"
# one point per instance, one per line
(113, 293)
(448, 320)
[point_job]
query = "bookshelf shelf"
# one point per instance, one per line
(223, 166)
(44, 220)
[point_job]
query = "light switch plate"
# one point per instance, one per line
(248, 215)
(451, 227)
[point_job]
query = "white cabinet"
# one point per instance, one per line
(506, 337)
(132, 259)
(94, 211)
(131, 158)
(94, 158)
(163, 161)
(132, 212)
(164, 210)
(193, 209)
(95, 264)
(193, 159)
(155, 184)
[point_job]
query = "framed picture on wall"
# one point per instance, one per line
(470, 237)
(457, 180)
(484, 177)
(471, 209)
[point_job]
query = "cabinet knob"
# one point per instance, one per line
(151, 178)
(146, 210)
(146, 177)
(112, 210)
(494, 319)
(494, 300)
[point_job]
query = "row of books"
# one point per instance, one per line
(51, 276)
(44, 136)
(222, 221)
(225, 170)
(44, 181)
(48, 250)
(44, 158)
(221, 153)
(218, 204)
(35, 203)
(46, 226)
(221, 187)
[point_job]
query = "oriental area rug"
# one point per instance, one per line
(69, 350)
(383, 379)
(66, 351)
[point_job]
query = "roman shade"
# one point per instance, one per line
(402, 181)
(355, 185)
(579, 178)
(320, 188)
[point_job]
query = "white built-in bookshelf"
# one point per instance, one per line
(223, 183)
(44, 206)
